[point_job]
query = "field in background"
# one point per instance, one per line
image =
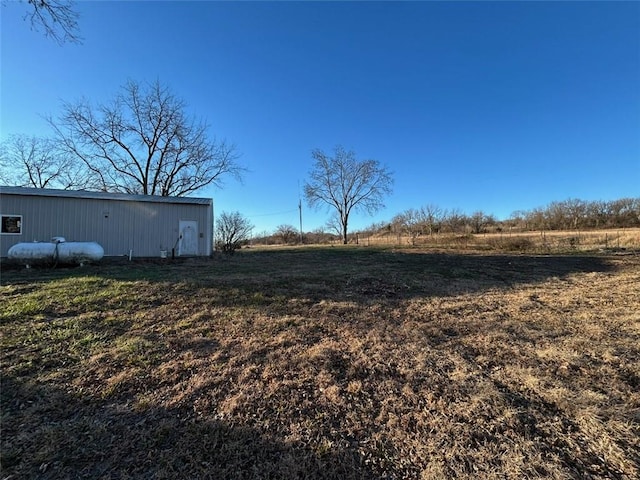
(530, 242)
(336, 362)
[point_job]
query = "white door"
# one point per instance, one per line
(188, 244)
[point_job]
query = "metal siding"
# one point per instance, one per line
(143, 227)
(48, 192)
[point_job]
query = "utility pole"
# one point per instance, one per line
(300, 209)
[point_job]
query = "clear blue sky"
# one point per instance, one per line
(493, 106)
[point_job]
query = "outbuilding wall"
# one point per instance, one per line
(119, 223)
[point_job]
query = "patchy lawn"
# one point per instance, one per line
(348, 363)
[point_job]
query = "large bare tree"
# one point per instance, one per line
(143, 142)
(58, 19)
(30, 161)
(343, 183)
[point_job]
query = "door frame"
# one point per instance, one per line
(183, 224)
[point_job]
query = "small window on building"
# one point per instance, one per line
(12, 224)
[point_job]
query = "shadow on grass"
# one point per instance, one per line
(354, 274)
(48, 433)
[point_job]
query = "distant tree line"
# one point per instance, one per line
(288, 235)
(430, 219)
(572, 214)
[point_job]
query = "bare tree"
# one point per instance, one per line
(344, 183)
(538, 219)
(557, 216)
(455, 220)
(409, 222)
(414, 223)
(287, 233)
(624, 212)
(144, 143)
(478, 221)
(30, 161)
(334, 226)
(432, 216)
(576, 212)
(518, 219)
(597, 213)
(58, 19)
(232, 231)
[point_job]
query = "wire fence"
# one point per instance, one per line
(540, 241)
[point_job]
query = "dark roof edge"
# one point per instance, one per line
(47, 192)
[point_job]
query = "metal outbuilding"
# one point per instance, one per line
(124, 225)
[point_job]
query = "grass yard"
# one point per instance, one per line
(334, 363)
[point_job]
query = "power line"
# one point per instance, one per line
(272, 214)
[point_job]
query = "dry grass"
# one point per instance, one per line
(546, 242)
(324, 363)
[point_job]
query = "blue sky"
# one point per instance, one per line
(493, 106)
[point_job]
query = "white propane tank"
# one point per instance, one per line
(60, 251)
